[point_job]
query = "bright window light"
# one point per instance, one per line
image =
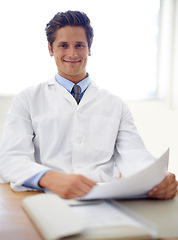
(123, 55)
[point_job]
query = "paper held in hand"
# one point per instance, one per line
(133, 186)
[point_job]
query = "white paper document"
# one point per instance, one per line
(103, 214)
(111, 217)
(135, 185)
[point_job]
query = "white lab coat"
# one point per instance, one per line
(46, 129)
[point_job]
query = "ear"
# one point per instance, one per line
(89, 52)
(50, 50)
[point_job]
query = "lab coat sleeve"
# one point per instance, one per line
(131, 153)
(17, 161)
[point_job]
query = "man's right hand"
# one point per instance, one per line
(67, 186)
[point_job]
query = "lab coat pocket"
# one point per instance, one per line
(103, 133)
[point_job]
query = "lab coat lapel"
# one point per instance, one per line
(89, 95)
(63, 92)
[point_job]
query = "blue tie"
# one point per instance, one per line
(77, 90)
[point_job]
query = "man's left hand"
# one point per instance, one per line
(167, 189)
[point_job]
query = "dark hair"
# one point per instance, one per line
(69, 18)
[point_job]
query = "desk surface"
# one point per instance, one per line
(14, 223)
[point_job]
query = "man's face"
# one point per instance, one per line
(70, 50)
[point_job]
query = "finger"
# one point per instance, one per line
(88, 182)
(164, 193)
(77, 179)
(166, 187)
(81, 182)
(83, 189)
(70, 196)
(79, 187)
(167, 182)
(76, 193)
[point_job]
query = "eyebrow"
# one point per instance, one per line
(59, 43)
(81, 42)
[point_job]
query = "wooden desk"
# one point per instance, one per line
(14, 223)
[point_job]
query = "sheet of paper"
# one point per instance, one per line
(103, 214)
(135, 185)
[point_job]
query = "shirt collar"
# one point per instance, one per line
(68, 85)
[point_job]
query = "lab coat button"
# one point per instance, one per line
(80, 110)
(79, 140)
(79, 166)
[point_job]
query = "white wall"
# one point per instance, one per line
(5, 102)
(156, 123)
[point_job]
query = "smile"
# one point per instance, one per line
(72, 61)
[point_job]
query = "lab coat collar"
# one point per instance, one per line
(90, 93)
(52, 81)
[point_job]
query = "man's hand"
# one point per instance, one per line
(167, 189)
(67, 186)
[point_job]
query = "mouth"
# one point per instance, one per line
(72, 61)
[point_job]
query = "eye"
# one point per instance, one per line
(80, 45)
(63, 45)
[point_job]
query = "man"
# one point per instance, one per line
(65, 144)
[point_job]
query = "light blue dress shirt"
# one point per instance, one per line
(68, 85)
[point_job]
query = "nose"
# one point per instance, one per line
(72, 51)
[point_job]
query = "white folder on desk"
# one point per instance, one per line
(52, 216)
(140, 219)
(55, 219)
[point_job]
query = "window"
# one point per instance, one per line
(124, 51)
